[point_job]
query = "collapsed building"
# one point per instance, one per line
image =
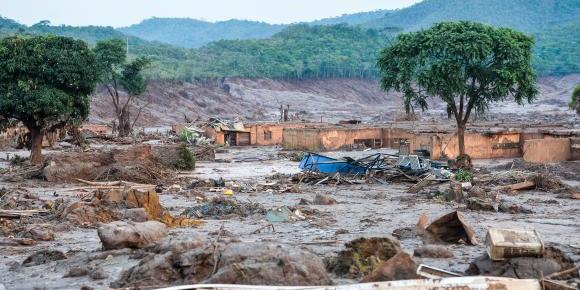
(535, 143)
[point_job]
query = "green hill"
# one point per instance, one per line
(326, 50)
(523, 15)
(189, 33)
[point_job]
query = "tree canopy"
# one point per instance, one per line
(117, 74)
(46, 81)
(468, 65)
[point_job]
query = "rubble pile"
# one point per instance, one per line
(197, 262)
(223, 208)
(141, 163)
(114, 205)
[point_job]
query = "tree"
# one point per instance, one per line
(467, 65)
(117, 74)
(575, 100)
(45, 83)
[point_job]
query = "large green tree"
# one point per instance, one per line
(467, 65)
(45, 82)
(124, 81)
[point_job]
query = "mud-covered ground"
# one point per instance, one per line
(363, 210)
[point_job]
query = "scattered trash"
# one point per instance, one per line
(221, 207)
(452, 228)
(281, 214)
(430, 272)
(228, 192)
(502, 244)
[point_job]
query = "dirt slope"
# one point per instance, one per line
(333, 100)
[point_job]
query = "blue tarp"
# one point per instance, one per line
(324, 164)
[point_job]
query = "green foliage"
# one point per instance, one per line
(132, 77)
(468, 65)
(297, 52)
(186, 135)
(114, 69)
(186, 160)
(17, 160)
(524, 15)
(253, 49)
(45, 81)
(464, 175)
(575, 99)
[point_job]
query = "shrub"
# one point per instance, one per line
(186, 160)
(463, 175)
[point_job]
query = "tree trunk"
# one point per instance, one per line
(124, 123)
(461, 138)
(36, 136)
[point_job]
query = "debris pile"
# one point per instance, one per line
(223, 208)
(139, 163)
(226, 262)
(113, 205)
(373, 259)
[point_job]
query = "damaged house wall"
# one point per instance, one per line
(504, 143)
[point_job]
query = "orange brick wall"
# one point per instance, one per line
(551, 150)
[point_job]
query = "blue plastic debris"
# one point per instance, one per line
(324, 164)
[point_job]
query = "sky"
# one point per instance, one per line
(119, 13)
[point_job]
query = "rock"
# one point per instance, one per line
(405, 233)
(119, 234)
(477, 191)
(321, 199)
(137, 215)
(43, 257)
(362, 256)
(77, 272)
(513, 208)
(399, 267)
(433, 251)
(98, 274)
(180, 244)
(553, 261)
(341, 232)
(39, 233)
(480, 204)
(304, 201)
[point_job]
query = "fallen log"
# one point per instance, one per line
(7, 213)
(530, 184)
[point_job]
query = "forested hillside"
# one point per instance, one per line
(190, 33)
(524, 15)
(324, 50)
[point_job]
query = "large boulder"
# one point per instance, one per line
(120, 234)
(179, 262)
(269, 264)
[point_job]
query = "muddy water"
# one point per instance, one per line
(362, 210)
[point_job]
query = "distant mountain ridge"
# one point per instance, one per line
(343, 46)
(192, 33)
